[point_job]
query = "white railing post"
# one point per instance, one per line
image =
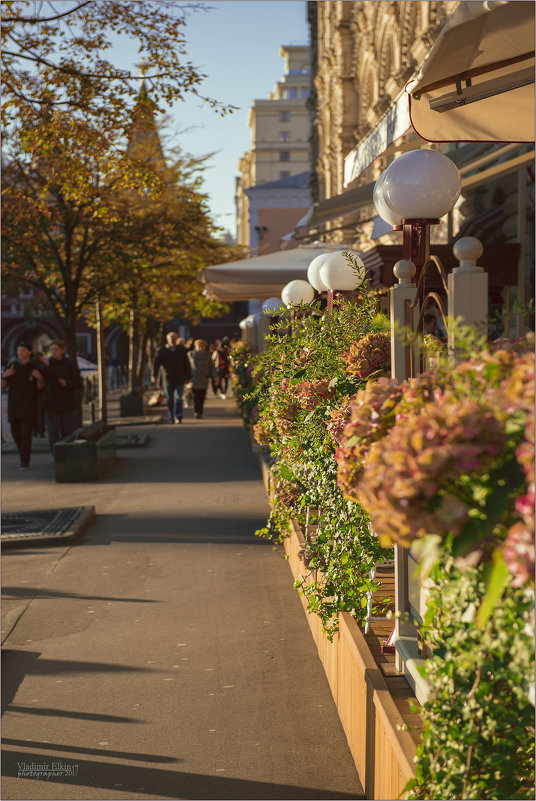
(403, 366)
(402, 319)
(468, 288)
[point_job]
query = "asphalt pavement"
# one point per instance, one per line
(164, 654)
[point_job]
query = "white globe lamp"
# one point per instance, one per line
(313, 273)
(296, 292)
(271, 306)
(381, 206)
(339, 274)
(419, 185)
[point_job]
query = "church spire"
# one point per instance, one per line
(143, 138)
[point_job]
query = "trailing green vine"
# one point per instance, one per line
(478, 737)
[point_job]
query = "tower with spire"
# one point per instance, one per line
(144, 144)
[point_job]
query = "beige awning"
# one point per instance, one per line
(477, 84)
(260, 277)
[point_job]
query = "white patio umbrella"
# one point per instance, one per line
(86, 367)
(260, 277)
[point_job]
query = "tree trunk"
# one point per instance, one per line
(133, 348)
(69, 335)
(142, 358)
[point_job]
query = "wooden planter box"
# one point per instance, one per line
(373, 708)
(373, 703)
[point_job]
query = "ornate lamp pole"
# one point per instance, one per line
(294, 293)
(338, 274)
(413, 193)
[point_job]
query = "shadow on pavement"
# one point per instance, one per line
(47, 712)
(220, 530)
(100, 752)
(163, 783)
(18, 664)
(39, 592)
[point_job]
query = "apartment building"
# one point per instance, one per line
(280, 149)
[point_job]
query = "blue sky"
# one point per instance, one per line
(236, 44)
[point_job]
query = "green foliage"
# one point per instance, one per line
(299, 383)
(459, 442)
(478, 738)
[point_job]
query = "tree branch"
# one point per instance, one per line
(37, 20)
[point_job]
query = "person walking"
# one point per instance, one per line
(63, 382)
(173, 357)
(214, 378)
(24, 380)
(220, 358)
(201, 363)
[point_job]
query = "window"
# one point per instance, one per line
(83, 343)
(284, 136)
(291, 94)
(304, 94)
(284, 174)
(284, 116)
(284, 155)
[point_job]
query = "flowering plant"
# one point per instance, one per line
(449, 457)
(368, 355)
(311, 393)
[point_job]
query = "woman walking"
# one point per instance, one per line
(201, 363)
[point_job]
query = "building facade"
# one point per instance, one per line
(363, 54)
(280, 147)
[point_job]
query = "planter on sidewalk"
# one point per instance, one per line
(84, 454)
(373, 709)
(131, 405)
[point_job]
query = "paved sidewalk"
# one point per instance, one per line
(165, 655)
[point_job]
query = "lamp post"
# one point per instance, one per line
(293, 294)
(337, 274)
(313, 273)
(101, 362)
(271, 306)
(296, 292)
(413, 193)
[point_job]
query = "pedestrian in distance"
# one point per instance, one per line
(24, 381)
(214, 377)
(173, 357)
(63, 381)
(40, 425)
(220, 359)
(201, 371)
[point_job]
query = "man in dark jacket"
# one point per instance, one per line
(24, 380)
(173, 358)
(63, 381)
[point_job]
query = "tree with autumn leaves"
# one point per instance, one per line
(89, 207)
(169, 239)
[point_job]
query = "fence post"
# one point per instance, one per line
(403, 361)
(403, 366)
(468, 288)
